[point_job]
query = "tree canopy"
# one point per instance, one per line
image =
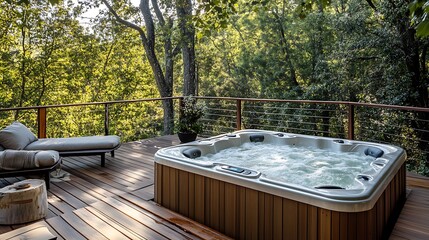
(346, 50)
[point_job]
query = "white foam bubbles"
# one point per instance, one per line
(306, 166)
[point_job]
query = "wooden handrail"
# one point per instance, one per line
(371, 105)
(42, 110)
(87, 104)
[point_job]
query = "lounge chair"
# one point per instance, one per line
(17, 136)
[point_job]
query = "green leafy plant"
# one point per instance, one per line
(190, 114)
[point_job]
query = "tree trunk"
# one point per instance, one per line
(168, 107)
(187, 30)
(287, 55)
(164, 83)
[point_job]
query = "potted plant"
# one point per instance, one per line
(188, 125)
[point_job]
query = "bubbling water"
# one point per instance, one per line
(305, 166)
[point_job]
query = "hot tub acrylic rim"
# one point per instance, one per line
(368, 186)
(375, 175)
(391, 152)
(365, 200)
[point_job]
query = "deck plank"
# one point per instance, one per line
(126, 220)
(63, 229)
(84, 228)
(144, 218)
(107, 230)
(189, 225)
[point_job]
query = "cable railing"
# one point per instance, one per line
(129, 119)
(132, 120)
(407, 127)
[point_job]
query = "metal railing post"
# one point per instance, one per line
(351, 122)
(106, 119)
(41, 122)
(238, 106)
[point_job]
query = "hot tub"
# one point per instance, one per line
(264, 184)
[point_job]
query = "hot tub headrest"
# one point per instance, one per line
(374, 152)
(192, 153)
(256, 138)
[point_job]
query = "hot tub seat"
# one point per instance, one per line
(79, 146)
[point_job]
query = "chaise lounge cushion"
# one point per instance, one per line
(76, 144)
(16, 136)
(19, 160)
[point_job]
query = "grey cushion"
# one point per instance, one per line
(76, 143)
(46, 158)
(16, 136)
(19, 159)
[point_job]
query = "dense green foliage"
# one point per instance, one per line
(344, 50)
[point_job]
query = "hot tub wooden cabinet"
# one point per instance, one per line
(248, 208)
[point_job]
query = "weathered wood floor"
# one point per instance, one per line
(114, 202)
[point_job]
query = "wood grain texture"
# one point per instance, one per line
(244, 213)
(115, 202)
(23, 205)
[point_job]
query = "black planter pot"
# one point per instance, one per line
(187, 137)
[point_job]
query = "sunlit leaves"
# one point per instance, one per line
(419, 10)
(27, 2)
(212, 15)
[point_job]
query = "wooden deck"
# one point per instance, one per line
(112, 202)
(115, 202)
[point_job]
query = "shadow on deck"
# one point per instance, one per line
(115, 202)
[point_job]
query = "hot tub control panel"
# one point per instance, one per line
(238, 171)
(233, 169)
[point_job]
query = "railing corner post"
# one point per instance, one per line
(106, 119)
(41, 122)
(351, 122)
(238, 105)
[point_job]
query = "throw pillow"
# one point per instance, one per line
(16, 136)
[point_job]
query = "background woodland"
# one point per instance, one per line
(347, 50)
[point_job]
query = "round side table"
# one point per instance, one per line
(23, 201)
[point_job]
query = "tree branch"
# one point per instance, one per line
(371, 4)
(125, 22)
(150, 28)
(176, 50)
(423, 59)
(158, 12)
(365, 58)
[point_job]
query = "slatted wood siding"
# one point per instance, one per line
(244, 213)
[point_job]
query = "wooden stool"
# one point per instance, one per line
(23, 202)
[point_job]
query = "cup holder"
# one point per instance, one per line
(379, 163)
(364, 178)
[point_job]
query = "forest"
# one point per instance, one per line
(52, 52)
